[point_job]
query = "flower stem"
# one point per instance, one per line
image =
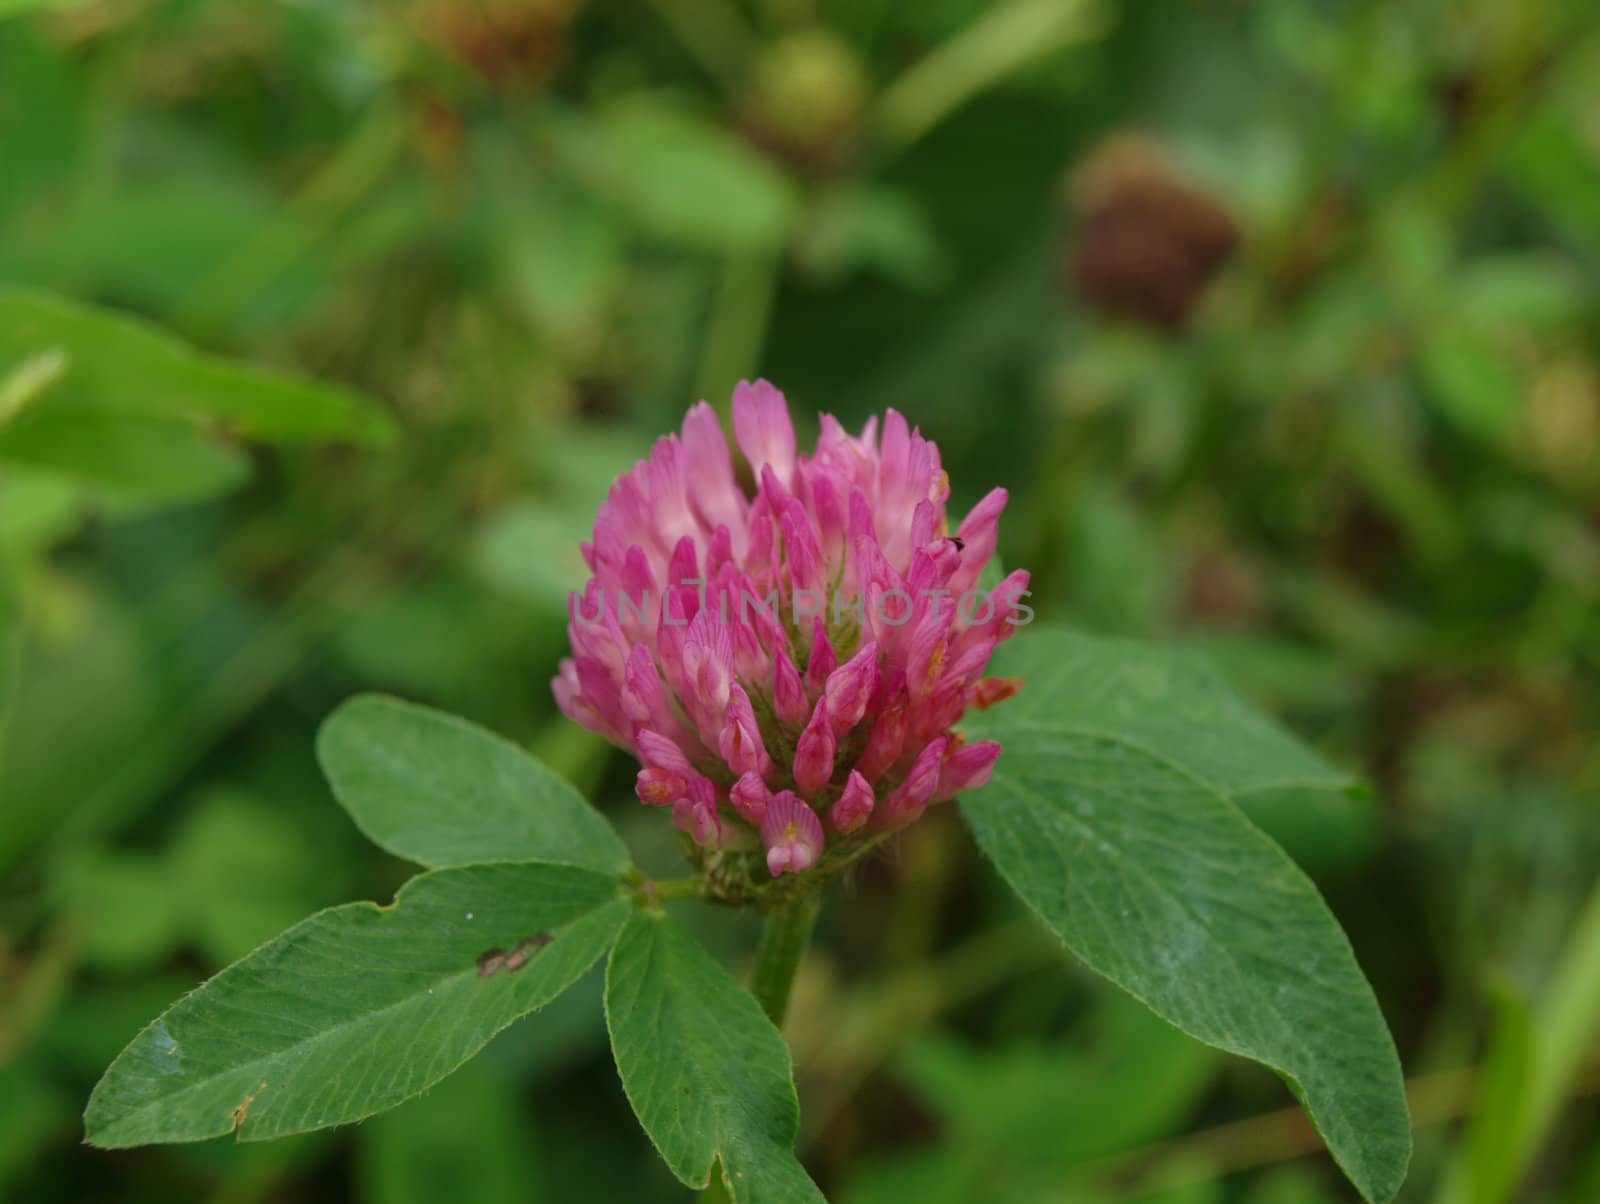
(783, 943)
(677, 888)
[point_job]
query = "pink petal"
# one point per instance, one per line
(792, 833)
(850, 687)
(908, 799)
(762, 428)
(854, 807)
(966, 768)
(814, 753)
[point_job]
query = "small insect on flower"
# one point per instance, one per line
(789, 666)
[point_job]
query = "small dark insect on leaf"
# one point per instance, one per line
(490, 961)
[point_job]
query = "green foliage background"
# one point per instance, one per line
(1363, 475)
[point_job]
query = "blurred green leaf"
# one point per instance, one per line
(467, 1139)
(437, 790)
(240, 870)
(37, 508)
(355, 1009)
(1553, 163)
(1122, 578)
(564, 261)
(679, 177)
(1278, 673)
(1533, 291)
(31, 1107)
(120, 908)
(1477, 384)
(1036, 1110)
(106, 685)
(145, 242)
(9, 8)
(1288, 1185)
(707, 1074)
(139, 677)
(130, 459)
(872, 229)
(42, 117)
(1114, 814)
(531, 550)
(119, 369)
(411, 641)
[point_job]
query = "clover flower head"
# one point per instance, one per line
(789, 666)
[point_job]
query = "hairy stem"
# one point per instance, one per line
(783, 943)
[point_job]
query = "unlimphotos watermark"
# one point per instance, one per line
(891, 607)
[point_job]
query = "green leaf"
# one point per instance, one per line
(120, 904)
(1123, 579)
(128, 459)
(855, 228)
(43, 127)
(229, 838)
(119, 368)
(37, 508)
(1040, 1108)
(32, 1113)
(1170, 701)
(356, 1008)
(9, 8)
(1475, 383)
(660, 166)
(1531, 290)
(440, 791)
(707, 1074)
(1113, 813)
(467, 1139)
(530, 549)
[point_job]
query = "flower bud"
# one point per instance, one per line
(906, 801)
(854, 807)
(813, 755)
(849, 688)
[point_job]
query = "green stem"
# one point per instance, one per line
(676, 888)
(1541, 1055)
(737, 328)
(783, 943)
(996, 45)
